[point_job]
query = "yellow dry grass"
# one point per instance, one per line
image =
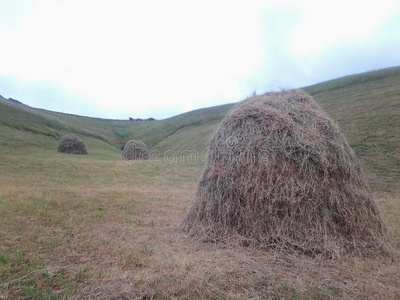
(97, 228)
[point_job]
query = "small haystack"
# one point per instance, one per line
(72, 144)
(279, 174)
(135, 150)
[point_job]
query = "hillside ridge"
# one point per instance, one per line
(366, 107)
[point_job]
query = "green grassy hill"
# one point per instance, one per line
(23, 123)
(366, 107)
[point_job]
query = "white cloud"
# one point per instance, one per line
(148, 53)
(327, 23)
(136, 57)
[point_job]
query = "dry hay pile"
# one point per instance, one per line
(72, 144)
(279, 174)
(135, 150)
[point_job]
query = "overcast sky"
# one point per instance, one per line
(120, 59)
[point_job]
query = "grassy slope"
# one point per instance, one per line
(116, 132)
(366, 106)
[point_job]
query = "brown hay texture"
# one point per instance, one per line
(72, 144)
(280, 175)
(135, 150)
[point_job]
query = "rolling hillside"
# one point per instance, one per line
(366, 107)
(28, 121)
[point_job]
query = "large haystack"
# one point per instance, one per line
(135, 150)
(279, 174)
(72, 144)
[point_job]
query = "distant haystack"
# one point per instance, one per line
(72, 144)
(279, 174)
(135, 150)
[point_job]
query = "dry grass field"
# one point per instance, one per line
(95, 227)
